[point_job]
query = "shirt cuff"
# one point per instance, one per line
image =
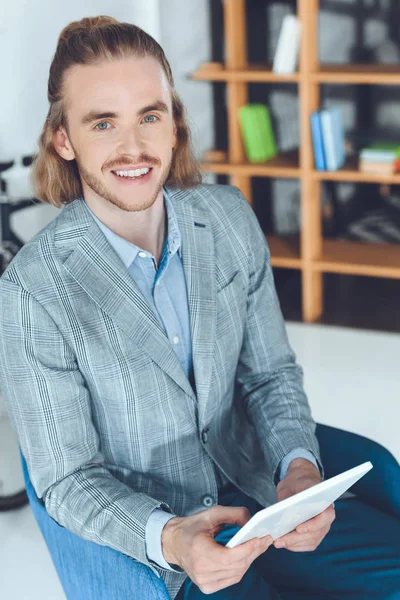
(154, 526)
(297, 453)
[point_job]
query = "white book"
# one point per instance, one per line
(287, 49)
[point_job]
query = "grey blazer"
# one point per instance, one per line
(108, 422)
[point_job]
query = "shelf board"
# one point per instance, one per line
(351, 172)
(285, 251)
(255, 73)
(327, 73)
(344, 73)
(285, 165)
(355, 258)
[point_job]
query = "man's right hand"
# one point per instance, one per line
(189, 543)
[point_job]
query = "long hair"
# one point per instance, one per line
(86, 42)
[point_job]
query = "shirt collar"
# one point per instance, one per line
(128, 251)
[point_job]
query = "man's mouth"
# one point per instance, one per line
(131, 176)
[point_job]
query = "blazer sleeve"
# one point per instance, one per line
(50, 410)
(269, 380)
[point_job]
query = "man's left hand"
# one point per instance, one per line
(301, 475)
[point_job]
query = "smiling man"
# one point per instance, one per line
(144, 358)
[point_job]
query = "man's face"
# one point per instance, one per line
(119, 116)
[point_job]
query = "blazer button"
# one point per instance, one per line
(207, 501)
(204, 436)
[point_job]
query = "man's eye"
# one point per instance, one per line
(98, 126)
(150, 117)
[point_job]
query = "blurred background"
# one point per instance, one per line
(334, 234)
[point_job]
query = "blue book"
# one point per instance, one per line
(318, 142)
(333, 136)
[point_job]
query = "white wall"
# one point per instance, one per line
(351, 379)
(186, 39)
(28, 37)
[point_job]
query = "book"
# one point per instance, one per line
(377, 167)
(333, 137)
(381, 152)
(338, 132)
(383, 157)
(385, 147)
(318, 142)
(287, 48)
(257, 132)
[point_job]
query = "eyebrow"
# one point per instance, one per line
(94, 115)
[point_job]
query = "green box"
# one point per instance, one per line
(257, 132)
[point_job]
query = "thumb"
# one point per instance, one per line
(235, 515)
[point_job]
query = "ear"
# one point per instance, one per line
(62, 145)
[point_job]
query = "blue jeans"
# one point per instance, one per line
(359, 560)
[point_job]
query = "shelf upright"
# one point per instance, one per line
(236, 91)
(310, 196)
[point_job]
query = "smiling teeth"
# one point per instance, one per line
(134, 173)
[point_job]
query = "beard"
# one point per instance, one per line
(99, 187)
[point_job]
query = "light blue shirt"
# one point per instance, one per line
(165, 290)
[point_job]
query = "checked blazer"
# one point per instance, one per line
(106, 418)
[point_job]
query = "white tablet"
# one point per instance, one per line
(281, 518)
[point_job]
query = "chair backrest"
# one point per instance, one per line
(107, 573)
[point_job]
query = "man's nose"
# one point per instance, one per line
(131, 142)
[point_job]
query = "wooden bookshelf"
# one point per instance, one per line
(284, 165)
(309, 252)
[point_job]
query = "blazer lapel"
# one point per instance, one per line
(198, 259)
(92, 262)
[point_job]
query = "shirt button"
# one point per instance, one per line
(207, 500)
(204, 436)
(142, 254)
(176, 340)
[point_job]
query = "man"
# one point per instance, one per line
(143, 352)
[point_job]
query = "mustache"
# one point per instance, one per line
(125, 160)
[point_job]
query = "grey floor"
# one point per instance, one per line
(351, 377)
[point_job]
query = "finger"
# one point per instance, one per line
(216, 557)
(231, 575)
(227, 577)
(245, 564)
(315, 539)
(220, 584)
(312, 525)
(305, 548)
(306, 539)
(230, 556)
(235, 515)
(295, 538)
(318, 522)
(208, 566)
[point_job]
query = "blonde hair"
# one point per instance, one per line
(84, 42)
